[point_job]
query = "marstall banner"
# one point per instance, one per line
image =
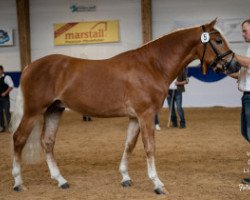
(86, 32)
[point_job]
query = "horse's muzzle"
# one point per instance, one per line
(232, 67)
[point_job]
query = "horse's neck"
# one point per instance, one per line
(173, 57)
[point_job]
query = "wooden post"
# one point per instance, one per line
(146, 15)
(22, 7)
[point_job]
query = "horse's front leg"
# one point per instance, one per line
(132, 135)
(146, 122)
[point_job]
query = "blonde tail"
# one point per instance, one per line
(32, 149)
(18, 111)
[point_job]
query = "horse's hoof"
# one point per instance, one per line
(127, 183)
(18, 188)
(64, 186)
(160, 191)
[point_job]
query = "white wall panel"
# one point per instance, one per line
(9, 56)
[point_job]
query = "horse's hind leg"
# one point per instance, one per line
(51, 121)
(132, 135)
(19, 140)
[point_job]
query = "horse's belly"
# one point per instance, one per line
(95, 104)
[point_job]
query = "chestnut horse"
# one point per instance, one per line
(133, 84)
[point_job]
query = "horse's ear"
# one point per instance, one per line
(212, 23)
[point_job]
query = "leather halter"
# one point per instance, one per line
(219, 56)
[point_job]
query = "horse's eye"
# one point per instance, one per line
(218, 41)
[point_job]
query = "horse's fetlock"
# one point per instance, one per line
(55, 176)
(153, 177)
(122, 169)
(15, 172)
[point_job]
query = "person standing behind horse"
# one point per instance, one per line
(157, 125)
(6, 85)
(175, 97)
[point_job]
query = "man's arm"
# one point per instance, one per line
(9, 82)
(6, 92)
(243, 60)
(182, 79)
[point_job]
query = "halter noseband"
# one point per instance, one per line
(219, 56)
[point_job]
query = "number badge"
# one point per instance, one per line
(205, 37)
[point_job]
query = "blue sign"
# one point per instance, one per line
(211, 76)
(15, 76)
(4, 37)
(77, 8)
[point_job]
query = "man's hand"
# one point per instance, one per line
(180, 82)
(234, 75)
(6, 92)
(3, 94)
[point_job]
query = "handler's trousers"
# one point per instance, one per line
(245, 116)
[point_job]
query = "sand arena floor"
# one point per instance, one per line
(205, 161)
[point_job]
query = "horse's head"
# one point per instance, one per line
(214, 51)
